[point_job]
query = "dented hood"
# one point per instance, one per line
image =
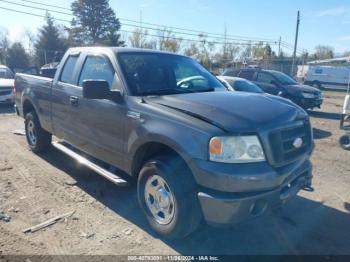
(238, 112)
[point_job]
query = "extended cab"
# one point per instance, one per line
(160, 119)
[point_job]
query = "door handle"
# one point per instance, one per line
(74, 100)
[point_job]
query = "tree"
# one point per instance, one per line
(138, 38)
(4, 45)
(192, 51)
(227, 54)
(324, 52)
(246, 53)
(17, 57)
(261, 51)
(95, 23)
(168, 41)
(346, 53)
(50, 45)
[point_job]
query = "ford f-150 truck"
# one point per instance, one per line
(160, 119)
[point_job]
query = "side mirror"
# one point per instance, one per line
(96, 89)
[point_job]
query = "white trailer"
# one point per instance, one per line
(324, 76)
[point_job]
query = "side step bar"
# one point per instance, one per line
(84, 161)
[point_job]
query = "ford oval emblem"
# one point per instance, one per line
(298, 142)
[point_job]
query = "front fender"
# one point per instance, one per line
(188, 143)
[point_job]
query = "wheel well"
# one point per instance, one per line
(149, 151)
(27, 107)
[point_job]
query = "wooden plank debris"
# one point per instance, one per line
(47, 223)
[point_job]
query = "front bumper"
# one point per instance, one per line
(310, 103)
(229, 199)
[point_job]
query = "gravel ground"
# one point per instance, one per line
(107, 220)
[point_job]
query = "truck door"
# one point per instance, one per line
(99, 124)
(266, 82)
(63, 89)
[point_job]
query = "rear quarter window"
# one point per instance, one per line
(68, 69)
(249, 75)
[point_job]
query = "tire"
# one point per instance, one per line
(344, 142)
(38, 139)
(179, 196)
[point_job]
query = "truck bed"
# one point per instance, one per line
(34, 87)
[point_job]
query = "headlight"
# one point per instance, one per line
(308, 95)
(236, 149)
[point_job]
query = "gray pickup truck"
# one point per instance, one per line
(196, 151)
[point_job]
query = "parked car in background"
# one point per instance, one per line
(278, 83)
(225, 157)
(6, 85)
(239, 84)
(49, 70)
(324, 76)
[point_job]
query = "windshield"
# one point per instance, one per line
(246, 86)
(284, 79)
(156, 74)
(6, 73)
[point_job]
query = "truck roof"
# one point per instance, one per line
(119, 50)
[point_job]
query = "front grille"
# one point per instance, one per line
(282, 143)
(5, 92)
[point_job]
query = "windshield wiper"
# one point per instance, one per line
(166, 91)
(175, 91)
(211, 89)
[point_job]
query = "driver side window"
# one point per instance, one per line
(265, 78)
(97, 68)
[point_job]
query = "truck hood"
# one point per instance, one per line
(6, 83)
(303, 88)
(237, 112)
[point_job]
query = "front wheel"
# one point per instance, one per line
(167, 195)
(38, 139)
(345, 142)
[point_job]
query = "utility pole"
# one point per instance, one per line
(279, 46)
(225, 46)
(141, 31)
(296, 43)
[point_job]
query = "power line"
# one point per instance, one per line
(242, 38)
(54, 6)
(32, 14)
(187, 39)
(125, 31)
(249, 42)
(136, 26)
(34, 7)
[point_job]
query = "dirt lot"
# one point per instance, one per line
(107, 220)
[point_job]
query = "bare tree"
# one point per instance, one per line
(138, 38)
(168, 41)
(4, 45)
(192, 51)
(324, 52)
(206, 49)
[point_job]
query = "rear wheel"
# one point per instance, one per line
(167, 195)
(38, 139)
